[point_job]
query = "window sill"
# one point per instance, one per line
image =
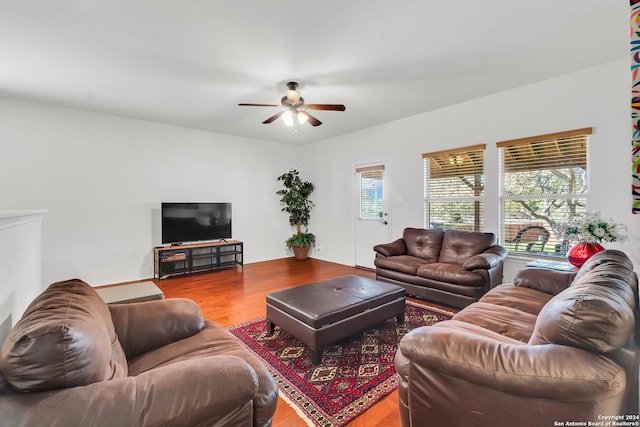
(530, 257)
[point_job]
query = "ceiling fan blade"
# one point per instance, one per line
(274, 117)
(329, 107)
(259, 105)
(312, 120)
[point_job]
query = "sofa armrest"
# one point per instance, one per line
(145, 326)
(548, 281)
(491, 258)
(397, 247)
(201, 391)
(215, 389)
(470, 353)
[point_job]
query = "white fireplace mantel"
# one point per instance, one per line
(20, 263)
(10, 219)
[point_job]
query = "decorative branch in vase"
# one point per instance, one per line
(588, 233)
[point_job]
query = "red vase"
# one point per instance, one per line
(581, 252)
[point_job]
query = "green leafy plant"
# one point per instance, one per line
(302, 239)
(295, 198)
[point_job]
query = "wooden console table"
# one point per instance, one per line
(196, 257)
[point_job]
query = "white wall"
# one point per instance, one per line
(102, 179)
(596, 97)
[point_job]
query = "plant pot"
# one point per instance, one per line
(300, 252)
(581, 252)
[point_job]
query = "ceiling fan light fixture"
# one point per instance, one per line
(293, 96)
(287, 118)
(292, 101)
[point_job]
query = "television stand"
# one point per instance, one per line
(191, 258)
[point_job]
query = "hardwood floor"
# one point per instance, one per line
(233, 296)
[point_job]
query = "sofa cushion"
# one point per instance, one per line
(65, 338)
(423, 243)
(147, 325)
(550, 282)
(596, 313)
(403, 263)
(450, 273)
(524, 299)
(618, 259)
(508, 321)
(214, 340)
(458, 246)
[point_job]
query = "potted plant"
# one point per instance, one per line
(588, 232)
(295, 200)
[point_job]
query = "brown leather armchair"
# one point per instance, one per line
(74, 361)
(551, 347)
(449, 267)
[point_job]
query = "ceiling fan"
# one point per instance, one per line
(294, 113)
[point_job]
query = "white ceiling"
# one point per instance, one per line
(189, 63)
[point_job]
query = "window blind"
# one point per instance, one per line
(454, 188)
(371, 191)
(544, 182)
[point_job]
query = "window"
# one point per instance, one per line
(371, 192)
(544, 182)
(454, 188)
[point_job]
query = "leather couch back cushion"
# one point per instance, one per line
(64, 339)
(612, 257)
(423, 243)
(596, 313)
(547, 281)
(458, 246)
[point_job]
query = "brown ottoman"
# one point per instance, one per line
(324, 312)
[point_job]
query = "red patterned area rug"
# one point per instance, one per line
(355, 373)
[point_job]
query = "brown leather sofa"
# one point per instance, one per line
(552, 347)
(449, 267)
(74, 361)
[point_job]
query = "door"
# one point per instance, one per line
(371, 211)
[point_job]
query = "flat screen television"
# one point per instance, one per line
(194, 222)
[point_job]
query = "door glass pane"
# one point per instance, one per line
(371, 194)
